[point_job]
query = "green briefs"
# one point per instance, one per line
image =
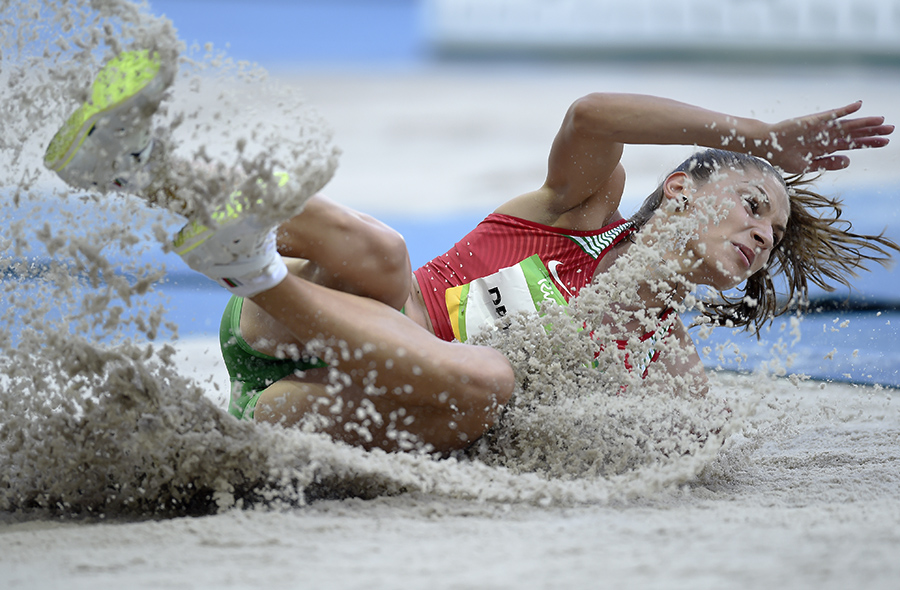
(252, 371)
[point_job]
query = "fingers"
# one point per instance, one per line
(881, 130)
(833, 115)
(865, 142)
(834, 119)
(828, 163)
(841, 112)
(867, 132)
(823, 135)
(854, 143)
(866, 127)
(873, 123)
(877, 131)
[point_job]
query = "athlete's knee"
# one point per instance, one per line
(372, 243)
(499, 377)
(383, 247)
(486, 384)
(382, 263)
(473, 400)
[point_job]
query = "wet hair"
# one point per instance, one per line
(818, 246)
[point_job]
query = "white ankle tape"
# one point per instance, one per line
(247, 283)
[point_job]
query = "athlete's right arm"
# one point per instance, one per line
(585, 178)
(588, 147)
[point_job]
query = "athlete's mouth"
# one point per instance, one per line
(746, 253)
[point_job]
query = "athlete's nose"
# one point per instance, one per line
(763, 234)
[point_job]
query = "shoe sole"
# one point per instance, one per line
(118, 82)
(194, 234)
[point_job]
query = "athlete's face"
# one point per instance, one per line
(749, 213)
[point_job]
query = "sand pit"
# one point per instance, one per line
(810, 499)
(804, 491)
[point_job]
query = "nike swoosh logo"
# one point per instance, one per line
(551, 266)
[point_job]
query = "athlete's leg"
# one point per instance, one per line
(107, 144)
(348, 251)
(341, 249)
(384, 360)
(449, 393)
(368, 421)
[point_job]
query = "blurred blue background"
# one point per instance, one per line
(378, 35)
(374, 35)
(326, 33)
(313, 33)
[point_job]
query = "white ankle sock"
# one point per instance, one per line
(255, 283)
(249, 276)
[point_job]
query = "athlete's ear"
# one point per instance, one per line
(678, 186)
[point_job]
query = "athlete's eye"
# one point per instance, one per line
(752, 204)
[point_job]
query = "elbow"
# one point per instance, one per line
(583, 111)
(588, 113)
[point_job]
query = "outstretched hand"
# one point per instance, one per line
(810, 143)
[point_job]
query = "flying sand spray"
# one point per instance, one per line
(95, 415)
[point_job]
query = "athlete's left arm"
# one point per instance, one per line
(679, 359)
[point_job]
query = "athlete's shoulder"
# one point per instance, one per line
(536, 206)
(545, 206)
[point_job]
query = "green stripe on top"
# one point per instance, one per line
(540, 285)
(463, 299)
(594, 246)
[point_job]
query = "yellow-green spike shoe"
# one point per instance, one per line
(105, 144)
(239, 253)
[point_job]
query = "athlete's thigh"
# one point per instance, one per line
(263, 332)
(351, 414)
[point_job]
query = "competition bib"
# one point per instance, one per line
(476, 306)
